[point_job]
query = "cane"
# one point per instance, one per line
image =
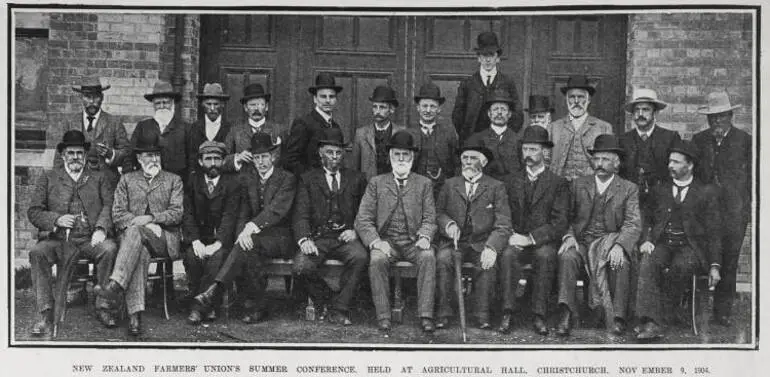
(61, 285)
(460, 298)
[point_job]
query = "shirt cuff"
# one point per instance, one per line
(237, 165)
(717, 265)
(301, 240)
(531, 239)
(446, 228)
(371, 244)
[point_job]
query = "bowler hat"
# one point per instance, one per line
(163, 89)
(213, 91)
(332, 136)
(90, 85)
(607, 143)
(536, 134)
(147, 141)
(262, 142)
(499, 95)
(486, 43)
(539, 104)
(252, 91)
(73, 138)
(324, 80)
(645, 95)
(429, 91)
(578, 82)
(402, 140)
(478, 148)
(212, 147)
(385, 94)
(718, 102)
(686, 148)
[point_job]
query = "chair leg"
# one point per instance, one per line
(165, 290)
(226, 304)
(397, 312)
(310, 310)
(692, 304)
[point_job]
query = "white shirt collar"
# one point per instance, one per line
(74, 176)
(267, 175)
(96, 119)
(217, 122)
(535, 173)
(473, 180)
(648, 133)
(377, 128)
(257, 124)
(498, 129)
(484, 74)
(395, 176)
(579, 121)
(686, 182)
(328, 175)
(213, 180)
(431, 126)
(326, 116)
(602, 186)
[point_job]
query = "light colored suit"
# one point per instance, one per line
(239, 140)
(365, 151)
(561, 132)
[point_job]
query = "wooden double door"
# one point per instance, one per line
(285, 53)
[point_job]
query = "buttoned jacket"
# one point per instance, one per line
(302, 146)
(561, 132)
(364, 155)
(197, 136)
(506, 150)
(660, 140)
(108, 130)
(211, 216)
(239, 140)
(545, 218)
(445, 149)
(469, 115)
(273, 209)
(174, 142)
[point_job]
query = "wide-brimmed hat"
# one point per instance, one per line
(429, 91)
(717, 102)
(163, 89)
(324, 80)
(262, 142)
(499, 95)
(213, 90)
(686, 148)
(536, 134)
(385, 94)
(539, 104)
(332, 136)
(486, 43)
(147, 141)
(478, 148)
(252, 91)
(212, 147)
(402, 140)
(645, 95)
(607, 143)
(90, 85)
(578, 82)
(73, 138)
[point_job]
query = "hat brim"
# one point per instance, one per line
(413, 149)
(540, 110)
(508, 101)
(138, 150)
(61, 146)
(659, 105)
(223, 97)
(266, 96)
(314, 89)
(689, 154)
(264, 150)
(332, 142)
(618, 151)
(175, 95)
(545, 143)
(705, 110)
(439, 99)
(487, 50)
(483, 150)
(393, 102)
(90, 89)
(590, 89)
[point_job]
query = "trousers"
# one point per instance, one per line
(544, 262)
(137, 245)
(483, 282)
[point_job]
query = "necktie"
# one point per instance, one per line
(679, 192)
(330, 122)
(645, 137)
(427, 130)
(489, 80)
(401, 183)
(335, 184)
(210, 185)
(471, 188)
(90, 123)
(719, 135)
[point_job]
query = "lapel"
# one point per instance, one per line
(217, 188)
(459, 186)
(590, 188)
(101, 124)
(369, 135)
(156, 182)
(542, 182)
(319, 179)
(483, 184)
(612, 189)
(171, 126)
(693, 191)
(478, 82)
(65, 178)
(224, 129)
(390, 184)
(319, 119)
(587, 125)
(518, 181)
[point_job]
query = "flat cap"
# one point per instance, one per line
(212, 147)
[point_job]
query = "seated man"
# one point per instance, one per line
(685, 239)
(267, 195)
(73, 203)
(210, 207)
(397, 220)
(472, 212)
(327, 203)
(148, 212)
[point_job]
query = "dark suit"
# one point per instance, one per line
(437, 157)
(56, 194)
(108, 130)
(729, 166)
(506, 149)
(197, 136)
(313, 220)
(484, 221)
(701, 222)
(239, 140)
(543, 217)
(209, 217)
(302, 146)
(267, 205)
(469, 114)
(174, 143)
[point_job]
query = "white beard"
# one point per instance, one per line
(402, 169)
(151, 170)
(163, 117)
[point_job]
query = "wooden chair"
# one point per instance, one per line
(695, 306)
(166, 276)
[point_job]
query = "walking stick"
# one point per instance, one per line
(64, 274)
(460, 298)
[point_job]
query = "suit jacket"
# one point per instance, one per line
(700, 216)
(55, 188)
(275, 210)
(314, 200)
(487, 210)
(197, 136)
(365, 151)
(163, 197)
(379, 203)
(302, 146)
(239, 140)
(622, 211)
(561, 132)
(507, 151)
(661, 141)
(469, 115)
(732, 162)
(174, 143)
(445, 150)
(211, 216)
(109, 131)
(546, 217)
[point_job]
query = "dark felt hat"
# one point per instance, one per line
(90, 85)
(163, 89)
(539, 104)
(213, 90)
(607, 143)
(686, 148)
(478, 148)
(499, 95)
(578, 82)
(254, 91)
(429, 91)
(536, 134)
(486, 43)
(262, 142)
(332, 136)
(385, 94)
(324, 80)
(147, 141)
(402, 140)
(73, 138)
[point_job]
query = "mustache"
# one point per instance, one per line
(529, 159)
(257, 112)
(641, 118)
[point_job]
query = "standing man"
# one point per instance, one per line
(256, 103)
(70, 202)
(646, 148)
(370, 152)
(301, 153)
(503, 141)
(574, 134)
(605, 226)
(726, 161)
(397, 221)
(148, 213)
(437, 143)
(540, 112)
(264, 220)
(685, 239)
(472, 212)
(103, 130)
(327, 203)
(468, 115)
(168, 127)
(210, 208)
(211, 127)
(539, 202)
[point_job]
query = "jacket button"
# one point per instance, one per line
(669, 209)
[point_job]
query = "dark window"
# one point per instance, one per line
(31, 83)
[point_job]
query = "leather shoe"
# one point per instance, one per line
(43, 324)
(110, 293)
(255, 317)
(339, 318)
(384, 325)
(195, 317)
(106, 318)
(442, 323)
(565, 323)
(539, 325)
(505, 324)
(205, 300)
(649, 331)
(135, 324)
(618, 327)
(427, 325)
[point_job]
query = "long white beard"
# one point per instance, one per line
(150, 169)
(470, 172)
(402, 169)
(163, 116)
